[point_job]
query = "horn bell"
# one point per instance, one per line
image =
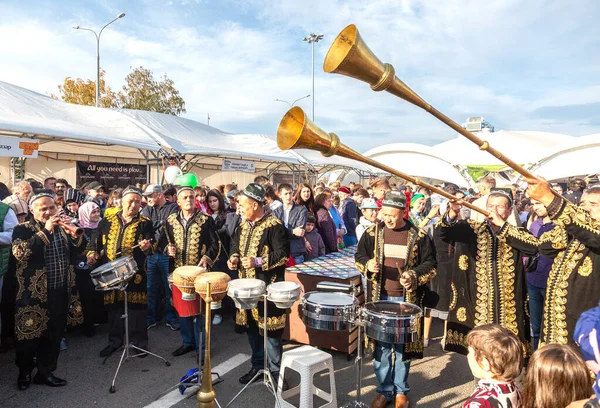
(296, 131)
(349, 55)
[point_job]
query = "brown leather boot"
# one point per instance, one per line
(379, 402)
(402, 401)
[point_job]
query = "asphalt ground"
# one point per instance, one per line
(438, 380)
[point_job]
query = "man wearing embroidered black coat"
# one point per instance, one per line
(43, 253)
(574, 243)
(114, 238)
(489, 276)
(398, 259)
(260, 249)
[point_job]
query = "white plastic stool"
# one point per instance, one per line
(307, 361)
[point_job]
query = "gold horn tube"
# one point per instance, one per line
(296, 131)
(206, 395)
(349, 55)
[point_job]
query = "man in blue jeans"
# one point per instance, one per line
(398, 259)
(157, 265)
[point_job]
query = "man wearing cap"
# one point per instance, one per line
(190, 238)
(124, 233)
(349, 213)
(260, 249)
(293, 217)
(397, 259)
(489, 276)
(158, 210)
(43, 254)
(96, 194)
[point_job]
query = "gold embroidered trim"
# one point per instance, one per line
(38, 285)
(456, 338)
(506, 278)
(518, 233)
(140, 298)
(586, 267)
(43, 237)
(557, 236)
(273, 322)
(578, 216)
(463, 262)
(250, 241)
(461, 314)
(21, 250)
(30, 322)
(454, 296)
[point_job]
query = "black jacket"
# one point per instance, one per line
(297, 218)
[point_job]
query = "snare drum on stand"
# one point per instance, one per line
(114, 273)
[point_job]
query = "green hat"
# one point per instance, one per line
(414, 199)
(255, 191)
(394, 199)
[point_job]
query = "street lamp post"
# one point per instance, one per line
(312, 39)
(293, 103)
(98, 53)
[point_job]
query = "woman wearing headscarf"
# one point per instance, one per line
(417, 207)
(92, 301)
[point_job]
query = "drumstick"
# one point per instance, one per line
(130, 248)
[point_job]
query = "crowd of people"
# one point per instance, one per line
(517, 288)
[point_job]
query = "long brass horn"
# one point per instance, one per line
(296, 131)
(349, 55)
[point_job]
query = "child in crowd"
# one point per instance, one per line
(315, 246)
(556, 377)
(496, 358)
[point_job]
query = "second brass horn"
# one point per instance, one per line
(349, 55)
(296, 131)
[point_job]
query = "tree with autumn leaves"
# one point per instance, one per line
(141, 91)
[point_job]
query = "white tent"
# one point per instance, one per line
(578, 157)
(420, 161)
(522, 147)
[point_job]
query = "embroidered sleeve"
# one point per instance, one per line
(553, 242)
(457, 230)
(279, 251)
(25, 244)
(365, 250)
(519, 238)
(425, 268)
(578, 223)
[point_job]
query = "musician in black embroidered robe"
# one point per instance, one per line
(489, 275)
(398, 259)
(115, 237)
(260, 250)
(574, 243)
(45, 284)
(190, 238)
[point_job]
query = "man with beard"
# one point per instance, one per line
(42, 251)
(574, 282)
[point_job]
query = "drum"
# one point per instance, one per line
(283, 294)
(184, 277)
(391, 322)
(329, 311)
(246, 292)
(218, 287)
(110, 275)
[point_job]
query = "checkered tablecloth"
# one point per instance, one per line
(334, 265)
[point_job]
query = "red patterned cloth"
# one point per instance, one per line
(494, 394)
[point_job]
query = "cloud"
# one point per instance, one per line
(510, 61)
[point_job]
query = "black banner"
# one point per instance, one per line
(111, 175)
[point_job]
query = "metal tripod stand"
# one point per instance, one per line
(265, 372)
(128, 346)
(357, 403)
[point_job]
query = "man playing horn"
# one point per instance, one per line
(45, 278)
(489, 275)
(397, 259)
(574, 281)
(126, 232)
(190, 238)
(260, 250)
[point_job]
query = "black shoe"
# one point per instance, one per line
(50, 380)
(245, 379)
(183, 350)
(107, 351)
(24, 381)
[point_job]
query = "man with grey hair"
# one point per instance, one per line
(18, 200)
(43, 252)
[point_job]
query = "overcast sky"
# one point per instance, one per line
(523, 65)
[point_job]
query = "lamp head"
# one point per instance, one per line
(121, 15)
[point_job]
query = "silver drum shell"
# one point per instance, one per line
(113, 273)
(391, 322)
(329, 311)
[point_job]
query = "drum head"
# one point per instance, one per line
(189, 271)
(391, 308)
(329, 298)
(282, 287)
(246, 283)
